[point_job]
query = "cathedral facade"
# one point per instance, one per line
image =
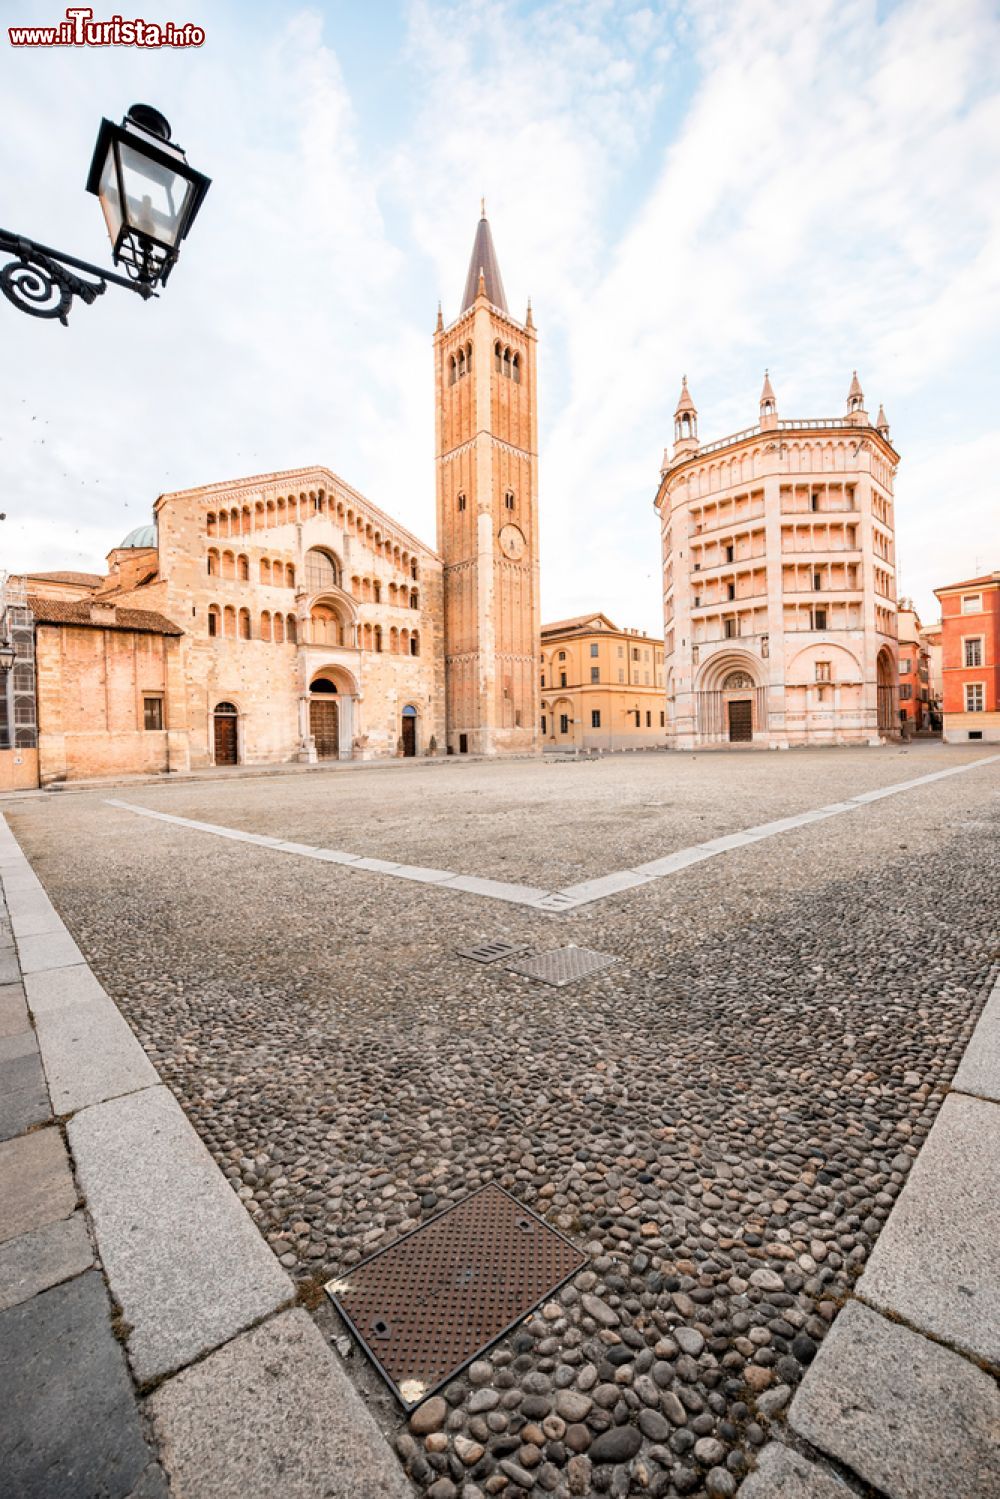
(286, 617)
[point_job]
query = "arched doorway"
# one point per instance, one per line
(737, 690)
(409, 722)
(225, 720)
(324, 718)
(887, 691)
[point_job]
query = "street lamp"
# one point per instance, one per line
(6, 656)
(149, 196)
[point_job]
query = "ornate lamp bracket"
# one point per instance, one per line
(37, 279)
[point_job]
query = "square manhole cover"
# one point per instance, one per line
(491, 952)
(427, 1305)
(564, 965)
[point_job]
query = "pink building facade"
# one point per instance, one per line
(779, 580)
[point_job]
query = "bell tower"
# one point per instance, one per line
(487, 514)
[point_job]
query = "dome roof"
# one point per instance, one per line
(142, 536)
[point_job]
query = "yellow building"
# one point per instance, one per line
(602, 687)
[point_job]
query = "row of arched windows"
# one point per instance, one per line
(396, 642)
(460, 364)
(237, 624)
(293, 508)
(371, 591)
(509, 502)
(506, 363)
(230, 565)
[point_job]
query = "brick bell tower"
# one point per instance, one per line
(487, 515)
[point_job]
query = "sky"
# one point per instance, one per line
(708, 188)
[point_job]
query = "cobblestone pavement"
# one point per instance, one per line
(724, 1119)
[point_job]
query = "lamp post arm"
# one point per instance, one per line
(36, 280)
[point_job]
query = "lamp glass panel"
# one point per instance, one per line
(156, 196)
(108, 195)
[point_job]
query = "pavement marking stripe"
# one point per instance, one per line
(568, 898)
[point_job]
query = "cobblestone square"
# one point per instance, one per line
(723, 1118)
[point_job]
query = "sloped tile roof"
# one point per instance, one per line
(77, 612)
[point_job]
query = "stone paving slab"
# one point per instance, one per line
(38, 922)
(783, 1474)
(43, 1258)
(10, 973)
(69, 1426)
(272, 1413)
(182, 1257)
(936, 1263)
(979, 1070)
(608, 884)
(90, 1054)
(52, 950)
(908, 1416)
(36, 1184)
(13, 1010)
(24, 1098)
(60, 987)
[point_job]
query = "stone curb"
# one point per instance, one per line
(902, 1394)
(202, 1302)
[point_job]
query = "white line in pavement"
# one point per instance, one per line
(569, 897)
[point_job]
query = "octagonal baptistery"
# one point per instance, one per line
(313, 622)
(779, 580)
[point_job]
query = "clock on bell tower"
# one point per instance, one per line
(487, 515)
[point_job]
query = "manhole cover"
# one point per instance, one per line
(491, 952)
(429, 1304)
(564, 965)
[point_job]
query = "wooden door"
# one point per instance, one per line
(740, 722)
(325, 729)
(409, 737)
(225, 739)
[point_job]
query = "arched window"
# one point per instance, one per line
(378, 637)
(415, 643)
(214, 619)
(414, 600)
(269, 511)
(324, 626)
(290, 629)
(213, 563)
(229, 622)
(508, 499)
(245, 518)
(243, 568)
(279, 629)
(461, 363)
(404, 642)
(516, 369)
(228, 565)
(265, 570)
(245, 624)
(322, 684)
(506, 362)
(394, 641)
(210, 523)
(497, 357)
(462, 500)
(281, 510)
(265, 625)
(289, 575)
(366, 637)
(392, 593)
(451, 370)
(322, 570)
(468, 358)
(413, 568)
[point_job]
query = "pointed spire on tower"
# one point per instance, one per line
(768, 404)
(882, 422)
(855, 396)
(684, 401)
(685, 422)
(439, 326)
(529, 321)
(485, 266)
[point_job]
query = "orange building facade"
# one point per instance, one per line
(970, 659)
(914, 670)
